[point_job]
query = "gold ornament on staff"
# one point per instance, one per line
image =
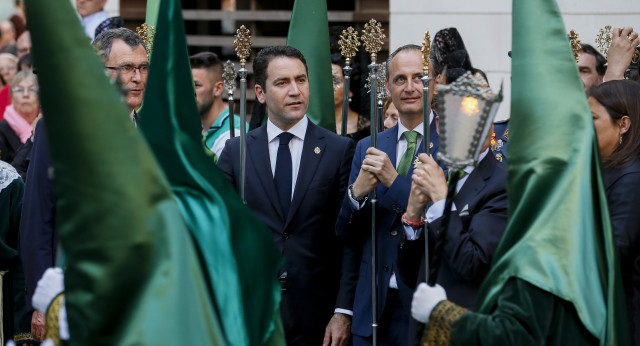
(349, 44)
(147, 33)
(243, 50)
(574, 38)
(426, 52)
(229, 77)
(603, 40)
(242, 44)
(372, 36)
(348, 48)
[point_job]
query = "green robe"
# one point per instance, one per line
(16, 322)
(523, 315)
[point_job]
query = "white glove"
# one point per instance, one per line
(425, 299)
(49, 286)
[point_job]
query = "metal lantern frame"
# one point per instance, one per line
(475, 86)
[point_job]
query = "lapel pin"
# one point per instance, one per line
(416, 163)
(430, 145)
(316, 150)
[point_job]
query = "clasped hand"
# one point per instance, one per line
(428, 184)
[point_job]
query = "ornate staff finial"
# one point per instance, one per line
(229, 76)
(426, 51)
(603, 40)
(242, 44)
(372, 36)
(574, 38)
(349, 43)
(147, 33)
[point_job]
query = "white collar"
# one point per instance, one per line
(419, 129)
(298, 130)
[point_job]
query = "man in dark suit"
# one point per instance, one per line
(477, 221)
(387, 169)
(296, 178)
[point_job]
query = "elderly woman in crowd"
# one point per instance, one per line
(357, 124)
(615, 106)
(8, 70)
(17, 125)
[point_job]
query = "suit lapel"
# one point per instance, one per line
(476, 180)
(258, 156)
(309, 161)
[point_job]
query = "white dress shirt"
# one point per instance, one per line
(91, 22)
(437, 209)
(295, 146)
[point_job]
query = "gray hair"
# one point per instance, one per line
(103, 42)
(22, 75)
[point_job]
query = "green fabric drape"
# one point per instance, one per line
(559, 235)
(238, 252)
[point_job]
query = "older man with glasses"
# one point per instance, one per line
(125, 57)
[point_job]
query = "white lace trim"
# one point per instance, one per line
(7, 174)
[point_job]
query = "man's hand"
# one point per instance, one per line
(428, 177)
(365, 183)
(623, 43)
(378, 163)
(338, 330)
(425, 298)
(37, 325)
(417, 203)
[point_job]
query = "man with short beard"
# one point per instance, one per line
(214, 114)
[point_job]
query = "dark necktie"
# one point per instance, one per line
(284, 170)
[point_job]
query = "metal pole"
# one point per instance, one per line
(232, 132)
(426, 113)
(345, 97)
(243, 131)
(373, 69)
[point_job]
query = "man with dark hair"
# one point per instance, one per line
(299, 200)
(125, 56)
(591, 65)
(387, 169)
(214, 114)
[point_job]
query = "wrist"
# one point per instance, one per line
(415, 222)
(356, 193)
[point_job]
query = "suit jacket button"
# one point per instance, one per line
(394, 233)
(285, 235)
(386, 268)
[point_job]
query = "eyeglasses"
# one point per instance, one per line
(20, 90)
(130, 69)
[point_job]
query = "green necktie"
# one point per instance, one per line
(407, 158)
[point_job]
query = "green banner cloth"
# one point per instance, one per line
(309, 33)
(559, 235)
(241, 260)
(133, 276)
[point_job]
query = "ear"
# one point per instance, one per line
(436, 81)
(260, 94)
(625, 124)
(218, 88)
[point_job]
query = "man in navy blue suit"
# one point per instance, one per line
(387, 169)
(477, 221)
(296, 178)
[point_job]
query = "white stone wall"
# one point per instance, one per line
(485, 27)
